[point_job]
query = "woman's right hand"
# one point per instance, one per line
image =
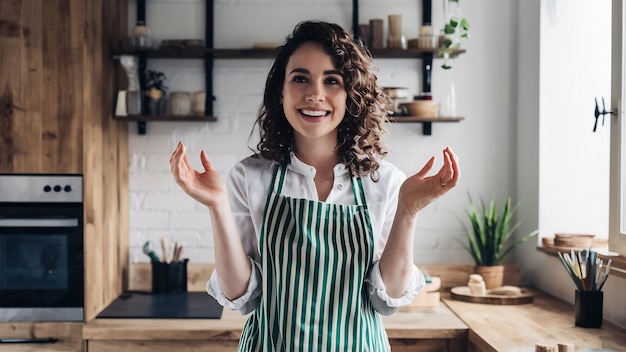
(206, 187)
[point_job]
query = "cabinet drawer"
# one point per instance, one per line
(419, 345)
(161, 346)
(68, 335)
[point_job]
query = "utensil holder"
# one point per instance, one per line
(588, 308)
(169, 277)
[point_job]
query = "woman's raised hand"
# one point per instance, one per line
(206, 187)
(420, 190)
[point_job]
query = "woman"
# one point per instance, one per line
(314, 233)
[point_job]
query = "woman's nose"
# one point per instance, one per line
(315, 92)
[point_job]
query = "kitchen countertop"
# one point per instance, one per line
(548, 320)
(488, 327)
(408, 323)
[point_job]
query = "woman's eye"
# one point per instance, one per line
(300, 79)
(333, 81)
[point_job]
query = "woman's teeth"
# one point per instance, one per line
(314, 113)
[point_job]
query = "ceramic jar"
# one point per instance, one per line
(180, 103)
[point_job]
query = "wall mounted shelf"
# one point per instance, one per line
(165, 118)
(427, 122)
(252, 53)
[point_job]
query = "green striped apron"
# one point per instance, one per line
(315, 258)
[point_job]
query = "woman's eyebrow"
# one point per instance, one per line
(305, 71)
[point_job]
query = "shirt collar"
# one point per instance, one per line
(301, 167)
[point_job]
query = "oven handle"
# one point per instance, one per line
(71, 222)
(34, 340)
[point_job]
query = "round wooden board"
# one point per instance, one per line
(462, 293)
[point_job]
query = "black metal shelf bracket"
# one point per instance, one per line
(208, 59)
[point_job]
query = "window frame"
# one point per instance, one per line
(617, 197)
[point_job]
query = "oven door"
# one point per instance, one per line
(41, 262)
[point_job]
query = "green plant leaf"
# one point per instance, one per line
(447, 42)
(448, 29)
(446, 67)
(464, 24)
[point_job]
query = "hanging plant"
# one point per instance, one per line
(456, 27)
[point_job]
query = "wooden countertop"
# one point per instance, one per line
(547, 320)
(408, 323)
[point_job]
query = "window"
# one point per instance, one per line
(617, 207)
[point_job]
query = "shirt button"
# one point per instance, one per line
(340, 186)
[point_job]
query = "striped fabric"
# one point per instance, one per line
(315, 258)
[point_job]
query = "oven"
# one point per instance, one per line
(41, 247)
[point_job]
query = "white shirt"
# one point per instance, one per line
(248, 184)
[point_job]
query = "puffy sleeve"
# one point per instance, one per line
(239, 201)
(381, 301)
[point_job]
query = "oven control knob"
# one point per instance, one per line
(57, 188)
(67, 188)
(47, 188)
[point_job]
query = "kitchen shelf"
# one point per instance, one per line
(426, 122)
(190, 118)
(253, 53)
(208, 54)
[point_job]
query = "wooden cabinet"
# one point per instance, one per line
(161, 346)
(397, 345)
(44, 337)
(55, 117)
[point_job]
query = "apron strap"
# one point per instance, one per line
(357, 189)
(278, 178)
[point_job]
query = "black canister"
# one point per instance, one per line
(169, 277)
(588, 308)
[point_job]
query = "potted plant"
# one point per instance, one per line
(489, 236)
(155, 91)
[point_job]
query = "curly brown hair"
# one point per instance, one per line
(360, 133)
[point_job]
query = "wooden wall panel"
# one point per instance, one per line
(105, 159)
(56, 99)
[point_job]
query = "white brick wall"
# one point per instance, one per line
(160, 208)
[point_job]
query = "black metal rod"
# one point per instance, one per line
(355, 19)
(141, 11)
(427, 70)
(427, 12)
(208, 57)
(427, 59)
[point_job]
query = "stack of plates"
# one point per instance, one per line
(573, 240)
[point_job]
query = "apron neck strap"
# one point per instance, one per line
(278, 178)
(357, 189)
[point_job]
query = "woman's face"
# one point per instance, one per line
(314, 96)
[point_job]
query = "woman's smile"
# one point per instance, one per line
(313, 115)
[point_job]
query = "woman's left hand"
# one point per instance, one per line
(420, 190)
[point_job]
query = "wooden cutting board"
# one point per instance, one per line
(463, 293)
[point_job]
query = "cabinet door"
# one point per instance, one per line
(68, 337)
(417, 345)
(161, 346)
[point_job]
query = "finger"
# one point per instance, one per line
(426, 168)
(206, 163)
(175, 151)
(455, 167)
